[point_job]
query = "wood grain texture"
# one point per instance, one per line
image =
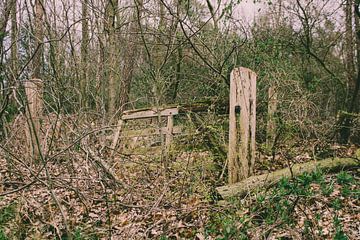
(242, 124)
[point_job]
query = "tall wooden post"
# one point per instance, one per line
(116, 136)
(169, 132)
(271, 122)
(33, 89)
(242, 124)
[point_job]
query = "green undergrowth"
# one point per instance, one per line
(280, 208)
(7, 214)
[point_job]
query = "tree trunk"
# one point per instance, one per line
(130, 56)
(174, 87)
(39, 37)
(213, 14)
(349, 46)
(14, 47)
(346, 120)
(112, 59)
(271, 121)
(4, 94)
(84, 53)
(34, 87)
(162, 16)
(4, 20)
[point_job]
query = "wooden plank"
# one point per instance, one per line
(127, 115)
(150, 132)
(116, 136)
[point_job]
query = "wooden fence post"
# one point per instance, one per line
(271, 122)
(169, 132)
(242, 124)
(34, 90)
(116, 136)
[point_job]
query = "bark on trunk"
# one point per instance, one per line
(271, 121)
(34, 87)
(346, 121)
(112, 59)
(130, 57)
(14, 36)
(39, 37)
(4, 20)
(349, 46)
(84, 54)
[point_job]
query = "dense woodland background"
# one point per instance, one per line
(104, 57)
(97, 58)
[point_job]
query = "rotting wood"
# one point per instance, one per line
(264, 180)
(170, 110)
(149, 113)
(116, 136)
(150, 132)
(242, 121)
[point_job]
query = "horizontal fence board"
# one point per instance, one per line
(149, 113)
(150, 132)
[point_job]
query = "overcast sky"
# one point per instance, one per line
(247, 10)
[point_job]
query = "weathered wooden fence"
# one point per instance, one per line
(156, 117)
(242, 123)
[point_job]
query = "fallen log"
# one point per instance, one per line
(243, 187)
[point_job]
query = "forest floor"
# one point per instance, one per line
(139, 196)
